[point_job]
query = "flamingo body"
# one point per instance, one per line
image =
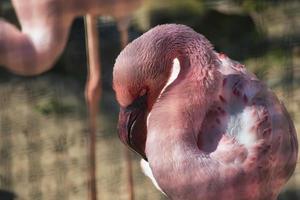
(214, 132)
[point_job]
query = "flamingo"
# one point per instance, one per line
(208, 128)
(45, 25)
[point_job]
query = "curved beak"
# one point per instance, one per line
(132, 125)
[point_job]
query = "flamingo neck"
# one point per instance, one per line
(175, 122)
(174, 156)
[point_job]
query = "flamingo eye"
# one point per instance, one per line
(139, 102)
(143, 92)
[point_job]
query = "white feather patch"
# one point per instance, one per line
(173, 76)
(148, 172)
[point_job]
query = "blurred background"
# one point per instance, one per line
(43, 119)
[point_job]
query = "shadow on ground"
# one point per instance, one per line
(7, 195)
(290, 195)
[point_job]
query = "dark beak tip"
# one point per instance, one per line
(124, 137)
(132, 129)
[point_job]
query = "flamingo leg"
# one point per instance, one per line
(92, 95)
(123, 25)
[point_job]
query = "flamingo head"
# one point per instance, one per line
(140, 73)
(143, 69)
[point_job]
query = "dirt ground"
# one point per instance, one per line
(43, 143)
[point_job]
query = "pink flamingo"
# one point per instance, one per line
(45, 26)
(208, 127)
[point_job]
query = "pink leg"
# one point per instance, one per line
(123, 25)
(92, 95)
(123, 29)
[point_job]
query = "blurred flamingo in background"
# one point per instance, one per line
(44, 31)
(208, 127)
(45, 26)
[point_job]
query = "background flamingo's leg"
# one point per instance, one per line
(123, 25)
(92, 95)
